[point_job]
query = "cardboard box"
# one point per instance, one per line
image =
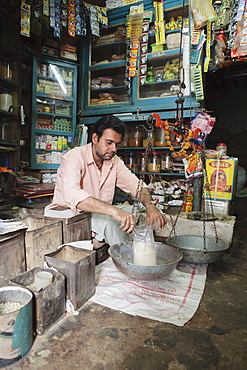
(68, 55)
(50, 51)
(220, 179)
(70, 48)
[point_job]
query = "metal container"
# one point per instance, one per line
(12, 255)
(220, 207)
(78, 266)
(16, 324)
(50, 305)
(167, 259)
(77, 228)
(193, 248)
(42, 236)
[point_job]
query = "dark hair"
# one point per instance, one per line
(109, 121)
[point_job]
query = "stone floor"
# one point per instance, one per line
(215, 338)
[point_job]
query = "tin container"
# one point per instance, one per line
(220, 207)
(12, 255)
(78, 267)
(77, 228)
(50, 304)
(16, 324)
(42, 236)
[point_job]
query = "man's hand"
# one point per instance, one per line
(126, 219)
(153, 214)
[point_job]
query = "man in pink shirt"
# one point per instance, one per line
(86, 181)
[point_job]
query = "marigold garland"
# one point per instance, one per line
(184, 145)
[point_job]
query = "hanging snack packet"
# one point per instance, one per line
(202, 12)
(25, 19)
(193, 166)
(201, 126)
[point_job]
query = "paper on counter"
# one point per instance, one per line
(10, 226)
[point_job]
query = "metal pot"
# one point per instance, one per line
(193, 248)
(167, 259)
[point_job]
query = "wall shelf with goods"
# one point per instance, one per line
(156, 84)
(133, 146)
(54, 111)
(10, 92)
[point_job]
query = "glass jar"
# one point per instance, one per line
(160, 137)
(153, 162)
(166, 162)
(135, 139)
(222, 149)
(7, 70)
(148, 137)
(142, 163)
(125, 139)
(131, 161)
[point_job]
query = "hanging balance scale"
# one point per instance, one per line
(195, 249)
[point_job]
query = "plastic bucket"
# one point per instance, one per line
(16, 324)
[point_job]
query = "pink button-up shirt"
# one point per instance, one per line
(78, 178)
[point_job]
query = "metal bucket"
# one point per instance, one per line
(194, 251)
(16, 324)
(167, 260)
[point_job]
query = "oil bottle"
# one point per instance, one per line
(188, 201)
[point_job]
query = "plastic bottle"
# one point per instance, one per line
(222, 149)
(188, 201)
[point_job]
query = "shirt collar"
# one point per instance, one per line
(90, 158)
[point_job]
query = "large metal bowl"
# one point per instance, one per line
(167, 260)
(193, 248)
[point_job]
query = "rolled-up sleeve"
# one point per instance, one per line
(68, 189)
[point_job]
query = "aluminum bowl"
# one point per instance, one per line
(167, 259)
(193, 248)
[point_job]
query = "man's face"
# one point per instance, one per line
(106, 147)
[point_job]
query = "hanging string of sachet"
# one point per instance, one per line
(208, 47)
(159, 22)
(133, 33)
